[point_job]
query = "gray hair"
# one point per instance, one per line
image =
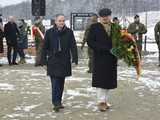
(57, 15)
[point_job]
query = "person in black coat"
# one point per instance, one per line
(100, 41)
(1, 38)
(59, 45)
(11, 34)
(22, 42)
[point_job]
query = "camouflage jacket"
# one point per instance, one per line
(157, 32)
(42, 29)
(137, 29)
(86, 34)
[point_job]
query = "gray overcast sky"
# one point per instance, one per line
(10, 2)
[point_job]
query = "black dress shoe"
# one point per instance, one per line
(14, 63)
(56, 108)
(89, 71)
(38, 65)
(1, 65)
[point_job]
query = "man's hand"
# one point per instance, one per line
(74, 64)
(81, 47)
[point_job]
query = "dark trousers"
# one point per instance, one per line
(39, 45)
(158, 53)
(139, 45)
(90, 62)
(9, 54)
(21, 53)
(57, 90)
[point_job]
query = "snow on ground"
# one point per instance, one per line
(153, 56)
(26, 108)
(79, 96)
(124, 73)
(151, 47)
(150, 78)
(6, 86)
(75, 93)
(29, 60)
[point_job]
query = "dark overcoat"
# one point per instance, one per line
(11, 33)
(104, 63)
(1, 41)
(23, 38)
(59, 63)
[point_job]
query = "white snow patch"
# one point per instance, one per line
(152, 55)
(29, 60)
(31, 93)
(151, 84)
(26, 108)
(40, 115)
(76, 93)
(88, 89)
(149, 78)
(3, 60)
(79, 79)
(151, 47)
(91, 104)
(15, 115)
(6, 86)
(29, 108)
(38, 74)
(139, 88)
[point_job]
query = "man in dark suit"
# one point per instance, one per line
(11, 33)
(59, 45)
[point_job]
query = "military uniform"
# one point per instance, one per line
(90, 51)
(39, 43)
(137, 29)
(157, 37)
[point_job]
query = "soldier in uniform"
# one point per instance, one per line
(137, 29)
(93, 19)
(157, 37)
(38, 41)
